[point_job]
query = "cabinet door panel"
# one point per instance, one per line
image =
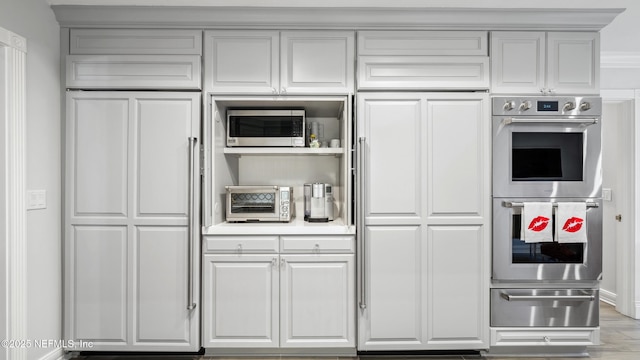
(98, 129)
(241, 61)
(394, 314)
(394, 137)
(317, 301)
(458, 154)
(458, 291)
(517, 62)
(317, 62)
(160, 314)
(98, 307)
(241, 301)
(163, 126)
(574, 63)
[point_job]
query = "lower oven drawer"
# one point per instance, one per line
(544, 308)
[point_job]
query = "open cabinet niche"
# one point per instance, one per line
(285, 166)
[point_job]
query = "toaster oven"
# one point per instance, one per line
(260, 203)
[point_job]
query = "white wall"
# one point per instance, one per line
(34, 20)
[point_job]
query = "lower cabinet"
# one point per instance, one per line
(271, 300)
(426, 288)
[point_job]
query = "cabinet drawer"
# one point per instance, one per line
(440, 43)
(544, 337)
(423, 72)
(240, 244)
(135, 42)
(323, 244)
(133, 71)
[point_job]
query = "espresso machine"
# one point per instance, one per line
(318, 202)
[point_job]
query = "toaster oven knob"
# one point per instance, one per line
(509, 105)
(584, 106)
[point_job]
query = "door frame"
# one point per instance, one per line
(628, 244)
(13, 216)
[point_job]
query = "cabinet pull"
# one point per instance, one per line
(360, 222)
(190, 218)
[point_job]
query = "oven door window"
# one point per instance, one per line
(547, 156)
(543, 252)
(253, 203)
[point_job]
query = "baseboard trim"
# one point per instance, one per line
(608, 297)
(55, 354)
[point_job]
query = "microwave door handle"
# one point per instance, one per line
(588, 121)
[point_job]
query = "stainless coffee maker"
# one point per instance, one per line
(318, 202)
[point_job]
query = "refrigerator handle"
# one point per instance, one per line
(190, 218)
(360, 221)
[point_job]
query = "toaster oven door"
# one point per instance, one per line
(253, 204)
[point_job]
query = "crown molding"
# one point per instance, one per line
(620, 60)
(424, 18)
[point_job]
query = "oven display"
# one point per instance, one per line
(547, 106)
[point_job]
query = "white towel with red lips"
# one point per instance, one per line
(536, 222)
(570, 222)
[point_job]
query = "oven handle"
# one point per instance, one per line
(509, 121)
(510, 204)
(509, 297)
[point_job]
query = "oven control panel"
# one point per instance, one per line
(547, 105)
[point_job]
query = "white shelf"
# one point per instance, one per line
(296, 227)
(283, 151)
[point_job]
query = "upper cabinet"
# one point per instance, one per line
(423, 60)
(134, 59)
(547, 63)
(280, 63)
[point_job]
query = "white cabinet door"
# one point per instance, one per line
(318, 62)
(317, 301)
(394, 317)
(573, 63)
(241, 62)
(458, 287)
(394, 132)
(549, 63)
(458, 156)
(518, 62)
(131, 269)
(241, 301)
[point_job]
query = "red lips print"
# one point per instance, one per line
(539, 223)
(573, 224)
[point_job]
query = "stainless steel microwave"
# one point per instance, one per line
(260, 203)
(267, 127)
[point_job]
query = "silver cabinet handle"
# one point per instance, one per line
(588, 121)
(360, 221)
(510, 204)
(509, 297)
(190, 218)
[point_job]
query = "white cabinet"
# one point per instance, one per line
(548, 63)
(241, 300)
(273, 62)
(426, 218)
(301, 297)
(317, 301)
(422, 60)
(131, 270)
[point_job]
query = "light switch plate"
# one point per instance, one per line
(606, 194)
(36, 199)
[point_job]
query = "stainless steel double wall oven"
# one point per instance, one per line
(546, 149)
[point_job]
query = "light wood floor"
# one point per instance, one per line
(619, 337)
